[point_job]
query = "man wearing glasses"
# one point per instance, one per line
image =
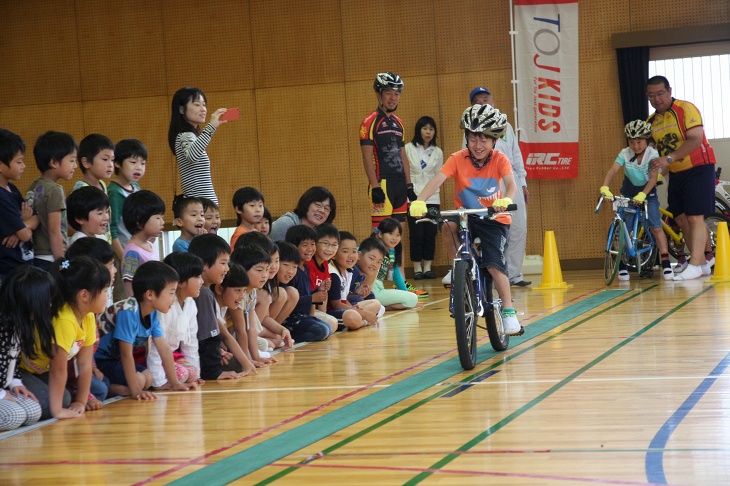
(683, 148)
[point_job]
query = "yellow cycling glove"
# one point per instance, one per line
(606, 192)
(639, 198)
(417, 209)
(659, 178)
(502, 203)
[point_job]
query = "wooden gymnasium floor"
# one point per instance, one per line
(619, 385)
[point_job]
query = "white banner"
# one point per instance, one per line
(547, 92)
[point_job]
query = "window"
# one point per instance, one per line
(699, 74)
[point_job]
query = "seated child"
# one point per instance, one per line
(482, 125)
(389, 231)
(55, 156)
(640, 184)
(249, 205)
(288, 264)
(135, 321)
(302, 323)
(370, 255)
(180, 324)
(101, 251)
(215, 362)
(190, 218)
(87, 211)
(26, 297)
(19, 220)
(212, 216)
(328, 239)
(82, 284)
(144, 216)
(352, 316)
(264, 226)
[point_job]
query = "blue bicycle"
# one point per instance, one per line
(636, 249)
(472, 293)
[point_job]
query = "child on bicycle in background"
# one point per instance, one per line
(640, 185)
(478, 172)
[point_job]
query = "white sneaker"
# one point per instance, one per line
(623, 275)
(711, 262)
(511, 324)
(680, 266)
(668, 273)
(447, 280)
(706, 269)
(690, 273)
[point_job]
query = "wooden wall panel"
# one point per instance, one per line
(388, 36)
(207, 45)
(644, 15)
(121, 49)
(304, 144)
(32, 121)
(39, 53)
(145, 119)
(472, 35)
(296, 43)
(234, 150)
(594, 32)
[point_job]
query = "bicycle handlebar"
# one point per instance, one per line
(623, 201)
(435, 216)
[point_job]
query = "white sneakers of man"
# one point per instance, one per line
(447, 280)
(690, 273)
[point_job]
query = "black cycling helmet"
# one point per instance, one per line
(387, 80)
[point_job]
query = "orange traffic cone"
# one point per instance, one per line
(722, 254)
(552, 275)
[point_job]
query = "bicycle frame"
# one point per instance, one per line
(622, 207)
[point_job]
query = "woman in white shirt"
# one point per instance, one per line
(425, 160)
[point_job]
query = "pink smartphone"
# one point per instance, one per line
(230, 114)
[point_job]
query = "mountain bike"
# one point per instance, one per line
(472, 292)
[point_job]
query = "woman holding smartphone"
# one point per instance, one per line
(189, 143)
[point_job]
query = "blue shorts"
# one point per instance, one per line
(115, 371)
(692, 191)
(654, 220)
(493, 236)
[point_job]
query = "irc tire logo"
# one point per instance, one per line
(547, 158)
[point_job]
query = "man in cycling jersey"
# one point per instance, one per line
(683, 147)
(384, 155)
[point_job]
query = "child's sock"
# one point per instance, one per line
(709, 255)
(417, 267)
(426, 265)
(665, 260)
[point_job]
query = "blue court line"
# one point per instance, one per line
(466, 386)
(271, 450)
(655, 457)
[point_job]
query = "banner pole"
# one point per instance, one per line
(512, 34)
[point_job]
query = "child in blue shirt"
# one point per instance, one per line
(134, 322)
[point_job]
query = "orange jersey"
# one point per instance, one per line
(669, 131)
(478, 188)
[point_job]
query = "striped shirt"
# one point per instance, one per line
(194, 164)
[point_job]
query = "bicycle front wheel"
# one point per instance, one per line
(645, 257)
(614, 251)
(465, 314)
(495, 326)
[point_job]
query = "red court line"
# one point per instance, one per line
(104, 461)
(261, 432)
(467, 473)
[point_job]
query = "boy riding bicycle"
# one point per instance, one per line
(640, 185)
(478, 172)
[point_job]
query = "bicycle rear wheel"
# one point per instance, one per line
(645, 259)
(495, 326)
(465, 314)
(614, 251)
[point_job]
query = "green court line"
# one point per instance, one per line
(286, 443)
(440, 393)
(535, 401)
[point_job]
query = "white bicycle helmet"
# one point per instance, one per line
(387, 80)
(484, 119)
(638, 129)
